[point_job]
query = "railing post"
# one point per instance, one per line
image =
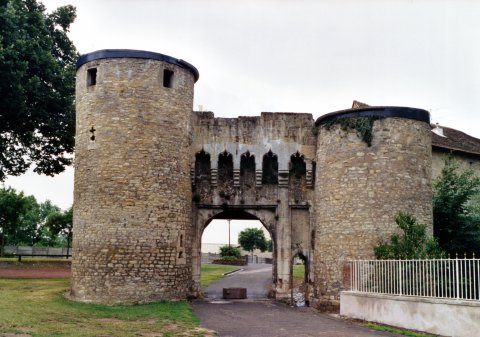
(457, 277)
(400, 283)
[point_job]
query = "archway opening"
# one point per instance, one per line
(257, 273)
(299, 281)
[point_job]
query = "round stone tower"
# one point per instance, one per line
(371, 164)
(132, 199)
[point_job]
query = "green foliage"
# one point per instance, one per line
(251, 239)
(456, 209)
(413, 243)
(298, 271)
(269, 246)
(362, 124)
(37, 68)
(229, 251)
(397, 331)
(473, 205)
(58, 226)
(24, 221)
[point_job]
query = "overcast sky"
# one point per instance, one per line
(296, 56)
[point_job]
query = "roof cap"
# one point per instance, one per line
(141, 54)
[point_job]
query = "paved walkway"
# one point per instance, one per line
(271, 319)
(257, 278)
(258, 316)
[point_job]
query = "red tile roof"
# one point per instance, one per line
(455, 140)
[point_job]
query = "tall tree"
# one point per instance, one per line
(59, 224)
(37, 88)
(22, 218)
(251, 239)
(456, 221)
(12, 206)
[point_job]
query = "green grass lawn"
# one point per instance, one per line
(299, 271)
(37, 308)
(398, 331)
(213, 272)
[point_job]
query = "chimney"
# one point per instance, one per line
(438, 130)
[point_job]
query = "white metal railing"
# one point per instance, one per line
(439, 278)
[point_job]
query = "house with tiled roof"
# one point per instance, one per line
(464, 148)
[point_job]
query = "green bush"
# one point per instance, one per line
(456, 209)
(229, 252)
(413, 243)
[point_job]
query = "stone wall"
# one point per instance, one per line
(359, 190)
(132, 202)
(151, 175)
(466, 161)
(280, 134)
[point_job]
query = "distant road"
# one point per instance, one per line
(257, 278)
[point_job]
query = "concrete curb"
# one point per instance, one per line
(233, 271)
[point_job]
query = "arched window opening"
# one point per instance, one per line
(225, 168)
(298, 167)
(202, 168)
(247, 170)
(270, 168)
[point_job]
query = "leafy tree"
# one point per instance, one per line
(37, 68)
(11, 208)
(251, 239)
(22, 218)
(456, 215)
(59, 225)
(229, 251)
(269, 246)
(413, 243)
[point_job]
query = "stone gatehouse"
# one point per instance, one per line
(150, 175)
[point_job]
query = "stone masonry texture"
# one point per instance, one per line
(151, 174)
(360, 189)
(132, 198)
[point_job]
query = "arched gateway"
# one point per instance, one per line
(154, 174)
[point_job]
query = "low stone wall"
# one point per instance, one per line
(237, 262)
(446, 317)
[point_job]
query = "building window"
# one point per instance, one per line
(91, 76)
(167, 78)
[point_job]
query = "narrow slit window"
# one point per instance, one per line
(167, 78)
(92, 76)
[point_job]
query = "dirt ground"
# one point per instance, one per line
(34, 270)
(35, 273)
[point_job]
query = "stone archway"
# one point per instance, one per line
(204, 216)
